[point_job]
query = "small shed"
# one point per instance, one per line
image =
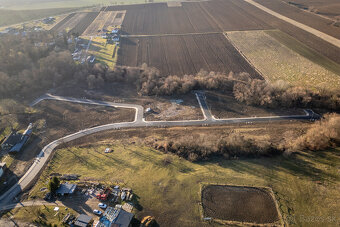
(83, 220)
(66, 189)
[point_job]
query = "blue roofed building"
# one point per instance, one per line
(115, 217)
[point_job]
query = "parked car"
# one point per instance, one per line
(102, 205)
(97, 212)
(108, 150)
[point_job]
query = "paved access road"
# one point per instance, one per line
(45, 154)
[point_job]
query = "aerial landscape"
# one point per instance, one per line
(169, 113)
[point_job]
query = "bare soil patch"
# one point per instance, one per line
(164, 107)
(224, 105)
(241, 204)
(71, 117)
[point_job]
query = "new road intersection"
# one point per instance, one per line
(44, 156)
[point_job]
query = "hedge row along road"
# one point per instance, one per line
(139, 121)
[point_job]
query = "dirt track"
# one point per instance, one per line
(324, 36)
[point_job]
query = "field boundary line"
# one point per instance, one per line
(243, 55)
(170, 34)
(330, 39)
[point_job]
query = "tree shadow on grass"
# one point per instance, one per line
(295, 165)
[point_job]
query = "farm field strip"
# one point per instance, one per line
(84, 23)
(304, 17)
(278, 62)
(319, 34)
(69, 22)
(105, 20)
(184, 54)
(172, 34)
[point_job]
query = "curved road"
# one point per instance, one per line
(43, 157)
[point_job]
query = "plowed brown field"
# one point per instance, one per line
(184, 54)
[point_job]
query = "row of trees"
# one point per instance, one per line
(280, 94)
(228, 146)
(320, 136)
(149, 81)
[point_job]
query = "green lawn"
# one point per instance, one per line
(10, 17)
(305, 186)
(103, 51)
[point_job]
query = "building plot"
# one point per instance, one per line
(184, 54)
(106, 20)
(278, 56)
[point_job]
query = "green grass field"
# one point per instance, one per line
(44, 215)
(305, 186)
(10, 17)
(103, 51)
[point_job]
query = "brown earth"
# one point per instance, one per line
(163, 106)
(58, 27)
(69, 22)
(83, 23)
(184, 54)
(216, 16)
(204, 17)
(327, 8)
(242, 204)
(208, 16)
(314, 21)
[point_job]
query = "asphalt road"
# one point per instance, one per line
(43, 157)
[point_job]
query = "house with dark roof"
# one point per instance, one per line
(83, 220)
